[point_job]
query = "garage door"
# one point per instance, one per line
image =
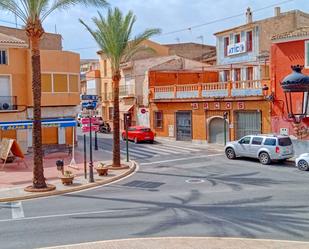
(216, 131)
(50, 135)
(248, 123)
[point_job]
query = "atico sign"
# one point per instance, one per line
(236, 48)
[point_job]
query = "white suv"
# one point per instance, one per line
(264, 147)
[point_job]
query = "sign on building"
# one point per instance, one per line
(236, 48)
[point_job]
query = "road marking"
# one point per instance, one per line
(154, 150)
(181, 159)
(74, 214)
(181, 148)
(165, 151)
(194, 181)
(17, 210)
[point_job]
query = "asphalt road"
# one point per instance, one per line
(186, 190)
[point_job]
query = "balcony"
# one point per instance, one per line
(229, 90)
(126, 90)
(8, 103)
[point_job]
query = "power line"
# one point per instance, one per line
(207, 23)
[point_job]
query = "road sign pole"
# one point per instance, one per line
(127, 141)
(96, 140)
(90, 155)
(85, 157)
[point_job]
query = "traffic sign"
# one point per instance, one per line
(86, 128)
(91, 105)
(94, 120)
(89, 97)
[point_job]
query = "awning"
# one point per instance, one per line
(27, 124)
(125, 108)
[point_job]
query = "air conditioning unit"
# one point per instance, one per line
(6, 106)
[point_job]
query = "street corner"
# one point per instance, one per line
(79, 183)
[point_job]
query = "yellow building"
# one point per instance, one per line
(60, 89)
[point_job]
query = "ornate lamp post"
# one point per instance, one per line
(296, 85)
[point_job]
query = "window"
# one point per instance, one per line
(158, 119)
(249, 41)
(226, 75)
(110, 113)
(60, 83)
(257, 140)
(131, 129)
(3, 57)
(237, 38)
(286, 141)
(249, 73)
(226, 44)
(270, 141)
(237, 74)
(47, 83)
(245, 140)
(73, 83)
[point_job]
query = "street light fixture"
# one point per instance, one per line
(296, 86)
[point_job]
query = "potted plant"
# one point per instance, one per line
(67, 177)
(102, 169)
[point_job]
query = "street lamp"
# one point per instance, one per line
(296, 86)
(90, 106)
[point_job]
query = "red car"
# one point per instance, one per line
(139, 134)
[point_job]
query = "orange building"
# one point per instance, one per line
(190, 105)
(60, 90)
(289, 49)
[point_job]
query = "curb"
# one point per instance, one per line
(73, 189)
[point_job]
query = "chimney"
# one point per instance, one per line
(277, 11)
(249, 15)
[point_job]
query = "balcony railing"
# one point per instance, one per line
(211, 90)
(126, 90)
(8, 103)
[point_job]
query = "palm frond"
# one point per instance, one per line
(13, 7)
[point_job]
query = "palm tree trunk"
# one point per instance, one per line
(38, 171)
(116, 134)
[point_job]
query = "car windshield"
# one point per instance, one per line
(145, 129)
(286, 141)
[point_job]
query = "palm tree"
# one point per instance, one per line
(113, 34)
(32, 13)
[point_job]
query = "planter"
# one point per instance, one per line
(67, 180)
(102, 171)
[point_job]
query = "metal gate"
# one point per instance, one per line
(248, 123)
(216, 131)
(183, 126)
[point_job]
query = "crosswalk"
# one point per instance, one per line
(143, 151)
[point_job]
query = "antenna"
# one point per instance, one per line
(178, 40)
(55, 28)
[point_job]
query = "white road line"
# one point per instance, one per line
(123, 152)
(181, 159)
(74, 214)
(140, 152)
(181, 148)
(155, 150)
(17, 210)
(164, 150)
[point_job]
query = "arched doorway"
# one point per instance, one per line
(216, 130)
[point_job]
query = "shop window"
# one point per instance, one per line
(226, 44)
(3, 57)
(73, 83)
(46, 83)
(60, 83)
(158, 119)
(237, 38)
(249, 41)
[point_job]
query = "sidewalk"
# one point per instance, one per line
(189, 243)
(14, 178)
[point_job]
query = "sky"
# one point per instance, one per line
(176, 19)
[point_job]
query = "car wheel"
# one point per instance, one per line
(135, 140)
(303, 165)
(151, 141)
(264, 158)
(230, 153)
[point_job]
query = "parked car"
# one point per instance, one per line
(139, 134)
(264, 147)
(302, 162)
